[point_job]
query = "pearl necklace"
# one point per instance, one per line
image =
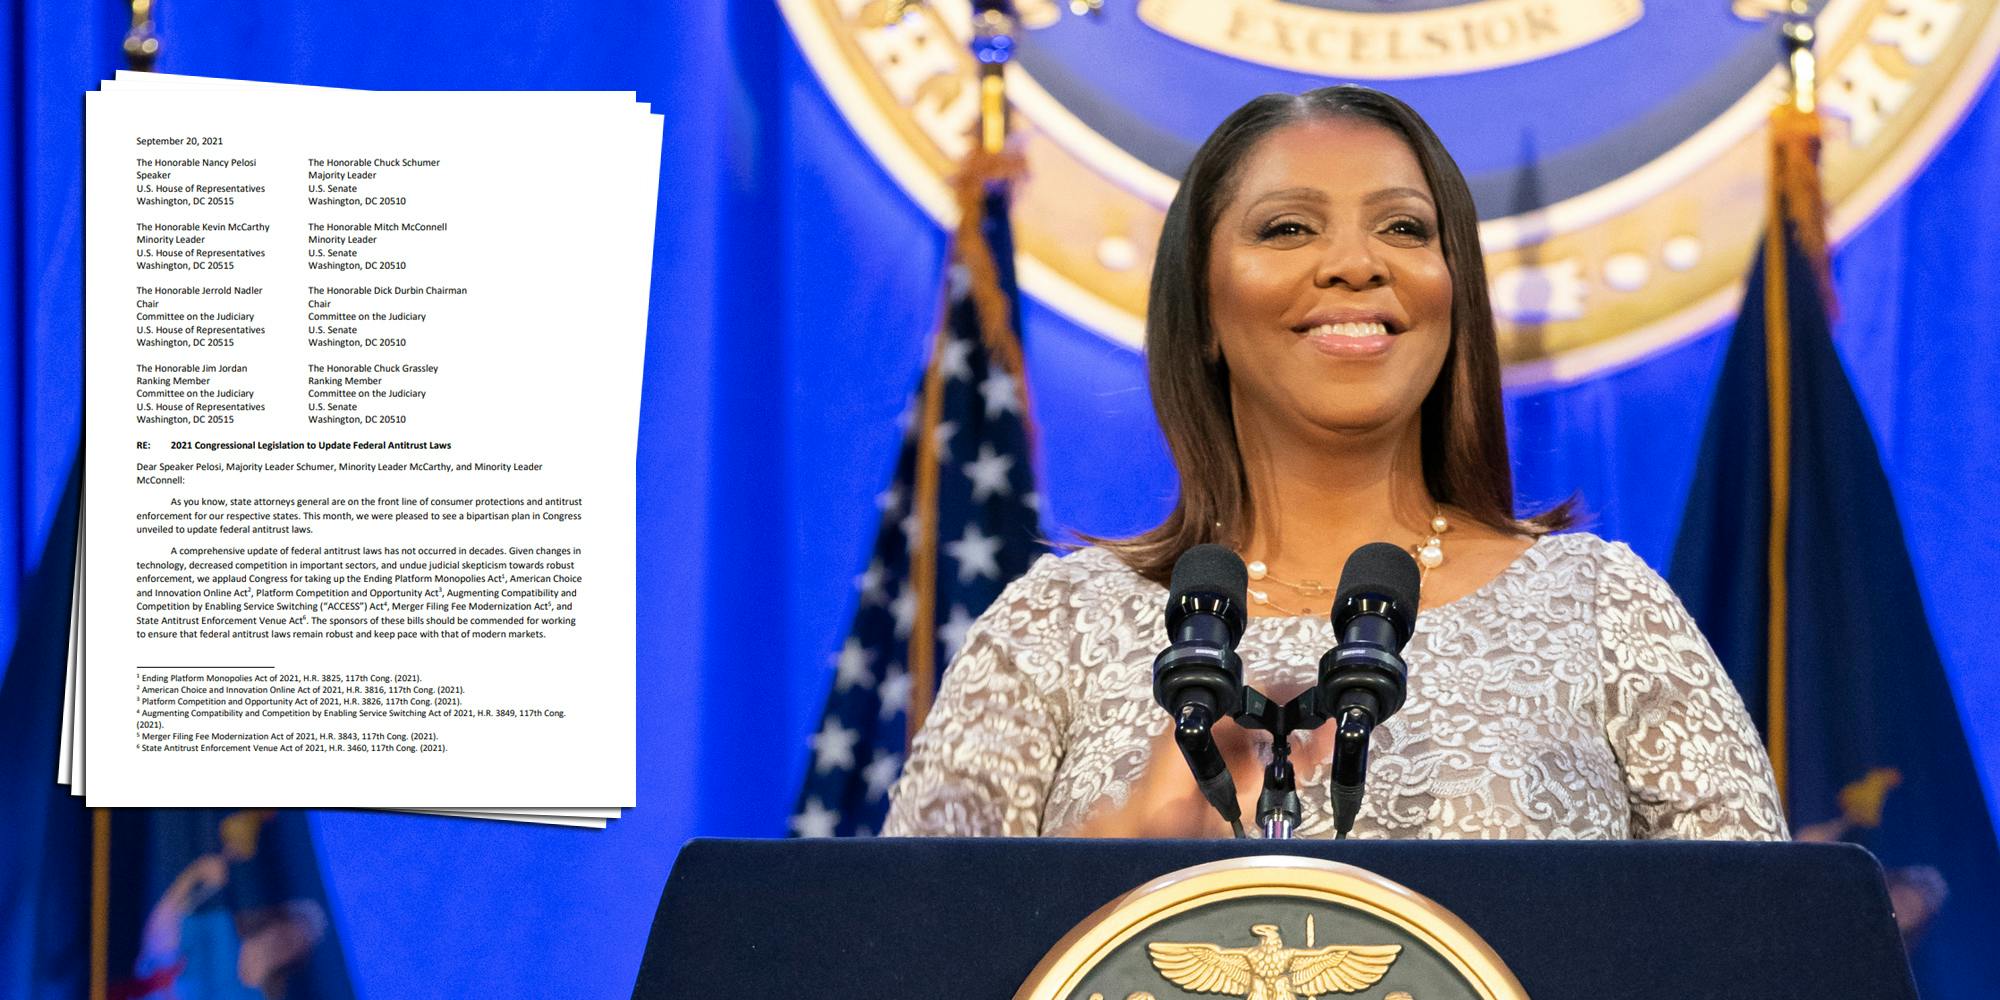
(1429, 556)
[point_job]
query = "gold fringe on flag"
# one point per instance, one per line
(996, 312)
(1797, 205)
(1778, 383)
(923, 548)
(1795, 189)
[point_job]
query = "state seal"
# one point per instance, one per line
(1616, 149)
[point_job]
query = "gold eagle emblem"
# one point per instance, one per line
(1268, 970)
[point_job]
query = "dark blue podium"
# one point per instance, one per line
(893, 919)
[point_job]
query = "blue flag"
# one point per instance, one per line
(1831, 650)
(959, 523)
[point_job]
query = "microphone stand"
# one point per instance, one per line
(1362, 681)
(1356, 708)
(1278, 806)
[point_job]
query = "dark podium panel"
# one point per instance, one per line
(895, 919)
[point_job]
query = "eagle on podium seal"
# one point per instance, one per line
(1221, 929)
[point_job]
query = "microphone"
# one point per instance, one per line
(1198, 678)
(1362, 679)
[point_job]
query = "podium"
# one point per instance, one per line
(917, 919)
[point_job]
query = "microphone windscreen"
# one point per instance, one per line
(1381, 571)
(1209, 569)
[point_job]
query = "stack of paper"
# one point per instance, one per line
(362, 393)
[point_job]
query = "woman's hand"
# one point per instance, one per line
(1165, 802)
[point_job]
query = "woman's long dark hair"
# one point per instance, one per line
(1464, 432)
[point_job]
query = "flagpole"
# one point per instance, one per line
(1799, 59)
(1795, 201)
(993, 27)
(1778, 366)
(142, 45)
(100, 903)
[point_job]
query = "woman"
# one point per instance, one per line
(1323, 363)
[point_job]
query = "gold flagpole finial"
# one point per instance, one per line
(1798, 33)
(994, 24)
(142, 46)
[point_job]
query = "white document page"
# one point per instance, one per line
(362, 383)
(70, 767)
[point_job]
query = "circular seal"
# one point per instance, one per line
(1271, 927)
(1616, 149)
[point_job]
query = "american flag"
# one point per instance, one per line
(931, 574)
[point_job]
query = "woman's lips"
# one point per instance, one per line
(1350, 340)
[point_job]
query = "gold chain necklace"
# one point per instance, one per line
(1429, 555)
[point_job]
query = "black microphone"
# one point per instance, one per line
(1198, 678)
(1362, 679)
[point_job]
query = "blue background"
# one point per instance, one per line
(793, 289)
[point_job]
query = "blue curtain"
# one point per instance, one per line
(793, 291)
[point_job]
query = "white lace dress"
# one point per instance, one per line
(1570, 697)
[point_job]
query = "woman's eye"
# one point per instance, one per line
(1413, 229)
(1283, 228)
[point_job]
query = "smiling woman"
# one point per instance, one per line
(1323, 364)
(1345, 266)
(1332, 205)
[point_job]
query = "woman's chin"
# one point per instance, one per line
(1351, 424)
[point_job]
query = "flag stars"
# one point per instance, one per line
(890, 500)
(815, 820)
(1002, 394)
(952, 632)
(881, 773)
(968, 417)
(870, 583)
(904, 610)
(988, 473)
(833, 747)
(851, 666)
(894, 692)
(954, 359)
(976, 554)
(941, 436)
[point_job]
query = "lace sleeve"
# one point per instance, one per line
(982, 764)
(1694, 768)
